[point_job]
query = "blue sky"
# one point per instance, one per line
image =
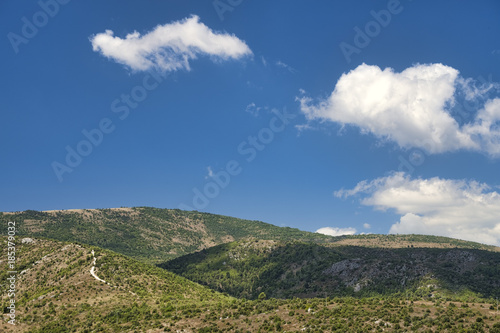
(373, 116)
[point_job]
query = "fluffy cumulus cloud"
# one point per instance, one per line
(412, 108)
(169, 47)
(463, 209)
(336, 231)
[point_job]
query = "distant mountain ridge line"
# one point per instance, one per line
(149, 234)
(157, 235)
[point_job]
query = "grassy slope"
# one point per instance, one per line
(296, 269)
(56, 293)
(56, 290)
(148, 234)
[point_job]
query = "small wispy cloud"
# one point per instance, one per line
(253, 109)
(281, 64)
(210, 172)
(303, 127)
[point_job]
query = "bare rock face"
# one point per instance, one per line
(359, 273)
(460, 260)
(350, 272)
(402, 268)
(344, 267)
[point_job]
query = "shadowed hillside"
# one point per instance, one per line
(296, 269)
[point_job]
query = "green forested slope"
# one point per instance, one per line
(296, 269)
(148, 234)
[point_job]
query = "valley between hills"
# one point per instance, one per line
(145, 269)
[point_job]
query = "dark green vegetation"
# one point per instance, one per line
(148, 234)
(58, 294)
(296, 281)
(296, 269)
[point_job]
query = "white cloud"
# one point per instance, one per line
(210, 172)
(169, 47)
(281, 64)
(367, 226)
(463, 209)
(336, 231)
(253, 109)
(264, 61)
(411, 108)
(303, 127)
(486, 128)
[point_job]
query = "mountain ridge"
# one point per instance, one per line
(149, 234)
(156, 235)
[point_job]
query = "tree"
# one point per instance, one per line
(262, 296)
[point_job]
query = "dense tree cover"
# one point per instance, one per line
(288, 269)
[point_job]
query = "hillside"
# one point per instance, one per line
(148, 234)
(54, 282)
(56, 292)
(413, 241)
(157, 235)
(297, 269)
